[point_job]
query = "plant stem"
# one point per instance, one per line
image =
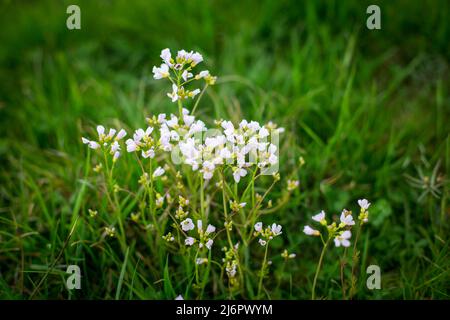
(319, 265)
(343, 263)
(199, 98)
(354, 259)
(263, 270)
(202, 199)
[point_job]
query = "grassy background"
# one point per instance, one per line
(368, 110)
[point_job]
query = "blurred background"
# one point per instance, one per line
(368, 110)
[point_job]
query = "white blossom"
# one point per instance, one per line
(310, 231)
(319, 217)
(158, 172)
(187, 224)
(343, 239)
(346, 218)
(161, 72)
(189, 241)
(364, 204)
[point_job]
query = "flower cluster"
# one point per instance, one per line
(108, 142)
(238, 148)
(266, 234)
(204, 239)
(178, 71)
(339, 231)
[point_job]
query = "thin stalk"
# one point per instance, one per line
(199, 98)
(319, 265)
(354, 259)
(343, 263)
(261, 276)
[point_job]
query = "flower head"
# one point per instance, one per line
(364, 204)
(158, 172)
(347, 218)
(189, 241)
(187, 224)
(161, 72)
(342, 239)
(310, 231)
(320, 217)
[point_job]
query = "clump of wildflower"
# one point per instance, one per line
(92, 213)
(286, 255)
(108, 142)
(168, 237)
(231, 263)
(364, 213)
(338, 232)
(144, 179)
(110, 231)
(159, 200)
(333, 229)
(178, 71)
(292, 185)
(236, 206)
(135, 217)
(267, 233)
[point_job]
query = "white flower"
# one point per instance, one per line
(319, 217)
(196, 58)
(100, 130)
(159, 201)
(189, 241)
(122, 133)
(343, 239)
(199, 225)
(186, 75)
(91, 144)
(202, 74)
(346, 218)
(116, 155)
(238, 173)
(150, 153)
(364, 204)
(158, 172)
(187, 224)
(209, 244)
(276, 229)
(192, 94)
(131, 145)
(292, 184)
(210, 229)
(258, 226)
(161, 72)
(263, 132)
(174, 94)
(200, 261)
(292, 256)
(262, 242)
(115, 147)
(179, 297)
(310, 231)
(166, 56)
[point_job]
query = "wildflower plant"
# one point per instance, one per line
(339, 233)
(200, 202)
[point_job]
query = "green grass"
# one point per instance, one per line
(367, 110)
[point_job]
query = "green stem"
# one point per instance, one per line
(319, 265)
(354, 260)
(199, 98)
(261, 276)
(202, 199)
